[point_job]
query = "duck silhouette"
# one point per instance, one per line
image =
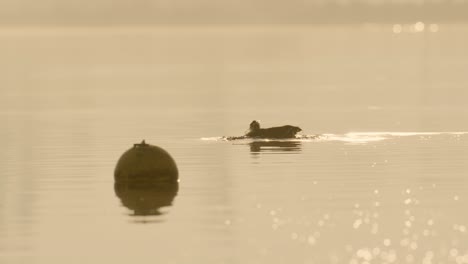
(273, 132)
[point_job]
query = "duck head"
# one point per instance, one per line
(255, 125)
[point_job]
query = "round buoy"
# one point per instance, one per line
(145, 164)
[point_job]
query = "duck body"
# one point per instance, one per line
(274, 132)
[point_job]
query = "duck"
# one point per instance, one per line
(273, 132)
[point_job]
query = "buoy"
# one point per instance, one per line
(145, 164)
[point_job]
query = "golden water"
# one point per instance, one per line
(385, 183)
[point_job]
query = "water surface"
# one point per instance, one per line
(384, 183)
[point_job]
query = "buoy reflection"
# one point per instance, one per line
(146, 199)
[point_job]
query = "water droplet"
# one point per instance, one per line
(462, 228)
(419, 26)
(387, 242)
(311, 240)
(453, 252)
(397, 28)
(364, 253)
(357, 223)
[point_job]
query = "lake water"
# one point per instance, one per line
(386, 181)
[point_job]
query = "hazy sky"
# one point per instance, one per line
(124, 12)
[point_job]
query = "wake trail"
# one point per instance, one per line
(350, 137)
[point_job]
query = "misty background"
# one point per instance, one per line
(154, 12)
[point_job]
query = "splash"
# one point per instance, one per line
(367, 137)
(353, 138)
(212, 138)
